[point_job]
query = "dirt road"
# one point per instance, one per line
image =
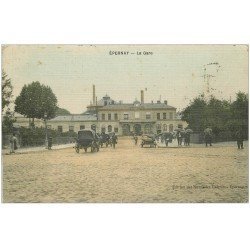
(128, 174)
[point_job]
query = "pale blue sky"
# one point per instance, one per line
(172, 72)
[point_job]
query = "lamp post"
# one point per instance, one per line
(46, 131)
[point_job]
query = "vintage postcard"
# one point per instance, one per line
(125, 124)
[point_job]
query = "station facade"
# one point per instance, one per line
(107, 115)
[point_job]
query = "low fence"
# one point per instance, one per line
(23, 142)
(221, 137)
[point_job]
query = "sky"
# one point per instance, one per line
(167, 72)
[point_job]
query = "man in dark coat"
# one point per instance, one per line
(113, 140)
(239, 138)
(187, 139)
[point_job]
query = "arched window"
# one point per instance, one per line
(158, 126)
(148, 128)
(109, 128)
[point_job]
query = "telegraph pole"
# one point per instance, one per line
(207, 77)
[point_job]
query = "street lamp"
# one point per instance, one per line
(46, 131)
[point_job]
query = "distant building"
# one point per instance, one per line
(107, 115)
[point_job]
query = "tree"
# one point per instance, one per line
(6, 90)
(36, 101)
(8, 115)
(61, 111)
(194, 114)
(239, 113)
(220, 115)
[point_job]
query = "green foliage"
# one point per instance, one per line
(61, 111)
(6, 90)
(194, 114)
(220, 115)
(36, 101)
(8, 115)
(239, 114)
(7, 122)
(36, 136)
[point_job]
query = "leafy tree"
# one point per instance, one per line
(239, 113)
(220, 115)
(36, 101)
(217, 114)
(8, 115)
(6, 90)
(61, 111)
(194, 114)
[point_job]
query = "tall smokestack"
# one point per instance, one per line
(93, 94)
(142, 96)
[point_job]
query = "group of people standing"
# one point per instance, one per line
(183, 136)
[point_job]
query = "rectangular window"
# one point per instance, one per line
(116, 117)
(82, 127)
(171, 128)
(60, 129)
(109, 117)
(164, 116)
(71, 128)
(148, 115)
(137, 115)
(125, 116)
(171, 116)
(116, 130)
(103, 116)
(158, 116)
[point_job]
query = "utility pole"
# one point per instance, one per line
(207, 77)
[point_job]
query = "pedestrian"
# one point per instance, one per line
(113, 140)
(179, 138)
(136, 139)
(187, 139)
(50, 143)
(208, 136)
(13, 143)
(239, 138)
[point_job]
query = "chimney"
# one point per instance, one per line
(93, 94)
(166, 102)
(142, 96)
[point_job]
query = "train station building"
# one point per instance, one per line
(108, 115)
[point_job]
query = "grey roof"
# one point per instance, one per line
(74, 118)
(131, 106)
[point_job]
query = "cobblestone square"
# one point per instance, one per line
(128, 174)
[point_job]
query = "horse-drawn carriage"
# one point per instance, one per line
(165, 137)
(104, 139)
(87, 139)
(148, 140)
